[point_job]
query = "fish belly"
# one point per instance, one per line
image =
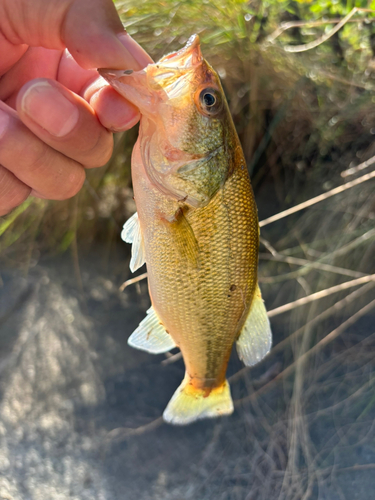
(202, 268)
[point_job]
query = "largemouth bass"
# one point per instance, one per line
(196, 227)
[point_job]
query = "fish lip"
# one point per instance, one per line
(110, 74)
(169, 76)
(195, 163)
(192, 47)
(132, 85)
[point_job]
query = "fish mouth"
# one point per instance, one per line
(168, 78)
(133, 85)
(187, 57)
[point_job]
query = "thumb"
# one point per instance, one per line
(94, 35)
(90, 29)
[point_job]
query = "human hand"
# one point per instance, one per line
(56, 113)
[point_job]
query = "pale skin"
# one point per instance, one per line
(56, 114)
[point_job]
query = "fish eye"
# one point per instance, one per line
(209, 101)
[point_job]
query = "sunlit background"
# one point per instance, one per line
(80, 410)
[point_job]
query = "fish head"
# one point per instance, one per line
(187, 135)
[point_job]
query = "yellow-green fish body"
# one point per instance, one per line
(196, 228)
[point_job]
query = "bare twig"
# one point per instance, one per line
(124, 432)
(132, 280)
(331, 409)
(326, 36)
(301, 24)
(337, 306)
(356, 467)
(309, 263)
(317, 199)
(351, 83)
(358, 168)
(172, 359)
(353, 244)
(268, 245)
(320, 295)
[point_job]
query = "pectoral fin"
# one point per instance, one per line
(255, 339)
(183, 237)
(151, 335)
(131, 233)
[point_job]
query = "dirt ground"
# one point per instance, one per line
(71, 389)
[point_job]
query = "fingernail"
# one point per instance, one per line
(47, 107)
(4, 120)
(140, 56)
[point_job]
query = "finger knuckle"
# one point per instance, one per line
(100, 153)
(72, 183)
(63, 176)
(12, 192)
(38, 157)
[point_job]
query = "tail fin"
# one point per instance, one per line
(189, 404)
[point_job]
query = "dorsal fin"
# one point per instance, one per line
(131, 233)
(151, 335)
(255, 339)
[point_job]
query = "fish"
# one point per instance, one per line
(196, 228)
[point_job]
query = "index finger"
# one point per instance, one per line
(113, 111)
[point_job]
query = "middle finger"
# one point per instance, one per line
(45, 170)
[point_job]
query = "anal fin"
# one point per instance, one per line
(151, 335)
(131, 233)
(255, 339)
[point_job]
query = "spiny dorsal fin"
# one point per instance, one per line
(151, 335)
(255, 339)
(189, 404)
(131, 233)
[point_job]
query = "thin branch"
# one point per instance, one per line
(349, 246)
(343, 402)
(317, 199)
(172, 359)
(337, 306)
(358, 168)
(356, 467)
(326, 36)
(124, 432)
(351, 83)
(320, 295)
(308, 263)
(301, 24)
(131, 281)
(268, 246)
